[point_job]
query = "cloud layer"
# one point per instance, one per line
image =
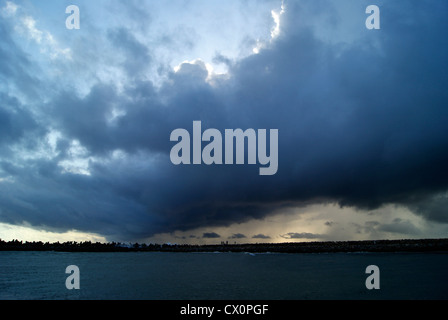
(361, 117)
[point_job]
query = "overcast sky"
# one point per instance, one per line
(86, 117)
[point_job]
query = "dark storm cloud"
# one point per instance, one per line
(136, 54)
(400, 226)
(397, 226)
(260, 236)
(433, 207)
(369, 227)
(15, 120)
(210, 235)
(362, 124)
(237, 236)
(301, 235)
(17, 72)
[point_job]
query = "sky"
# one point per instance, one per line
(86, 117)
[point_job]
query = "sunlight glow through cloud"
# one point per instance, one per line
(277, 16)
(275, 31)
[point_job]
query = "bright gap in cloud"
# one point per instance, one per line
(78, 161)
(27, 233)
(276, 16)
(275, 31)
(234, 52)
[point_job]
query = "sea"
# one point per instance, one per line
(222, 276)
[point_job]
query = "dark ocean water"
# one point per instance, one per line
(216, 276)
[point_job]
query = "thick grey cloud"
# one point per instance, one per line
(210, 235)
(301, 235)
(361, 122)
(15, 66)
(403, 227)
(237, 236)
(260, 236)
(136, 55)
(15, 121)
(400, 226)
(369, 227)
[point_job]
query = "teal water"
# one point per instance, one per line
(216, 276)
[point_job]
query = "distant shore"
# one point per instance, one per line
(405, 245)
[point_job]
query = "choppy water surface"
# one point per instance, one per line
(154, 275)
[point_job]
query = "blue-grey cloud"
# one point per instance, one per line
(15, 65)
(301, 235)
(210, 235)
(361, 123)
(136, 54)
(260, 236)
(237, 236)
(400, 226)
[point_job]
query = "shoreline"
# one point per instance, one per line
(405, 245)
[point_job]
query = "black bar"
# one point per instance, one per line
(222, 309)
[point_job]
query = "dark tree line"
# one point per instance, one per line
(83, 246)
(408, 245)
